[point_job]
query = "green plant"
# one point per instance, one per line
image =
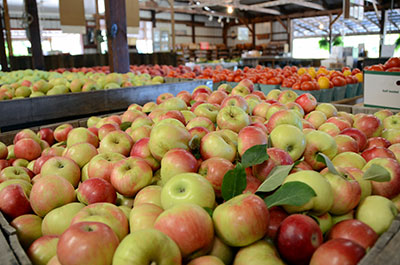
(337, 41)
(397, 44)
(324, 44)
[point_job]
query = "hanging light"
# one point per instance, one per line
(236, 21)
(229, 9)
(210, 18)
(207, 8)
(321, 26)
(228, 20)
(219, 19)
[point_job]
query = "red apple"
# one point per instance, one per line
(47, 134)
(27, 148)
(276, 217)
(276, 157)
(96, 190)
(250, 136)
(141, 149)
(43, 249)
(369, 124)
(373, 152)
(358, 135)
(378, 142)
(176, 161)
(341, 123)
(214, 170)
(14, 202)
(307, 102)
(62, 131)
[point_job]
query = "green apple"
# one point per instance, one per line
(218, 144)
(59, 219)
(233, 118)
(150, 194)
(188, 115)
(319, 142)
(349, 159)
(92, 121)
(143, 216)
(173, 103)
(324, 221)
(273, 94)
(319, 204)
(222, 251)
(378, 212)
(258, 253)
(290, 139)
(338, 218)
(328, 109)
(145, 247)
(187, 188)
(76, 85)
(316, 118)
(28, 228)
(207, 110)
(81, 153)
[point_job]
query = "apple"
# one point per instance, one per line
(346, 143)
(50, 192)
(329, 128)
(141, 149)
(328, 109)
(341, 123)
(171, 129)
(323, 200)
(53, 151)
(395, 148)
(14, 172)
(258, 253)
(107, 128)
(214, 170)
(355, 231)
(347, 116)
(338, 251)
(189, 226)
(338, 218)
(187, 188)
(378, 142)
(276, 157)
(357, 174)
(148, 107)
(97, 244)
(391, 188)
(27, 148)
(273, 94)
(233, 118)
(188, 115)
(185, 96)
(369, 124)
(261, 109)
(290, 139)
(287, 96)
(54, 261)
(46, 134)
(358, 135)
(316, 118)
(377, 212)
(382, 114)
(274, 108)
(82, 135)
(177, 161)
(116, 142)
(59, 219)
(3, 151)
(62, 131)
(250, 136)
(201, 122)
(145, 120)
(131, 115)
(222, 251)
(204, 260)
(139, 133)
(63, 167)
(307, 102)
(147, 246)
(26, 133)
(207, 110)
(298, 237)
(149, 194)
(173, 103)
(237, 101)
(284, 117)
(92, 121)
(43, 249)
(143, 216)
(200, 132)
(346, 193)
(28, 228)
(96, 190)
(319, 142)
(129, 175)
(392, 122)
(349, 159)
(105, 213)
(227, 148)
(101, 165)
(14, 202)
(375, 151)
(392, 135)
(276, 216)
(80, 153)
(242, 220)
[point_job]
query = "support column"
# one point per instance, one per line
(3, 56)
(382, 33)
(153, 18)
(7, 28)
(193, 30)
(97, 28)
(254, 35)
(34, 35)
(118, 54)
(171, 3)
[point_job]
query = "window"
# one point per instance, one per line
(243, 33)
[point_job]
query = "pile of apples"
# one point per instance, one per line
(231, 176)
(36, 83)
(391, 65)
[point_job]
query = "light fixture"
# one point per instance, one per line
(229, 9)
(321, 26)
(207, 8)
(222, 24)
(236, 21)
(198, 3)
(210, 18)
(219, 19)
(228, 20)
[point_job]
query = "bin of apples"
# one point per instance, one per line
(232, 176)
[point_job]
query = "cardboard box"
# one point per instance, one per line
(382, 89)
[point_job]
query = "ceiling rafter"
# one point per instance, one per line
(294, 2)
(235, 4)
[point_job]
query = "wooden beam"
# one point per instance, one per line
(254, 35)
(335, 19)
(118, 55)
(184, 10)
(193, 30)
(293, 2)
(225, 34)
(171, 3)
(3, 56)
(246, 24)
(235, 5)
(7, 28)
(283, 24)
(34, 34)
(153, 18)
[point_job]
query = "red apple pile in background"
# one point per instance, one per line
(150, 185)
(391, 65)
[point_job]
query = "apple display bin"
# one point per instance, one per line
(232, 84)
(326, 95)
(339, 93)
(217, 84)
(266, 88)
(47, 109)
(351, 90)
(360, 89)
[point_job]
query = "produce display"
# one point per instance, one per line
(36, 83)
(232, 176)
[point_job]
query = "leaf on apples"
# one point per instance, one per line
(269, 142)
(293, 193)
(377, 173)
(325, 159)
(255, 155)
(192, 102)
(234, 182)
(194, 145)
(275, 178)
(125, 125)
(209, 211)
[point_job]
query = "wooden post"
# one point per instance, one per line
(382, 32)
(290, 36)
(330, 33)
(97, 28)
(118, 54)
(254, 35)
(171, 3)
(3, 56)
(7, 28)
(34, 33)
(225, 35)
(193, 30)
(153, 18)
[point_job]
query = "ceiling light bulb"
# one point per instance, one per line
(228, 20)
(321, 26)
(219, 19)
(210, 18)
(230, 9)
(236, 21)
(207, 8)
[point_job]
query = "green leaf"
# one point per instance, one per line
(209, 211)
(255, 155)
(125, 125)
(325, 159)
(192, 102)
(194, 145)
(293, 193)
(275, 178)
(377, 173)
(234, 182)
